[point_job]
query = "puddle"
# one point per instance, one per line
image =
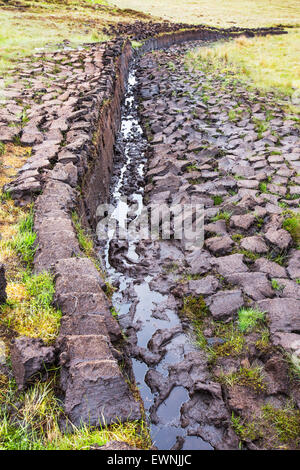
(169, 410)
(196, 443)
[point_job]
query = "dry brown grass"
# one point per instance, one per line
(245, 13)
(271, 62)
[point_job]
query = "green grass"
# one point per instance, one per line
(41, 288)
(14, 437)
(24, 241)
(233, 341)
(276, 285)
(273, 428)
(232, 116)
(285, 422)
(263, 187)
(194, 307)
(136, 44)
(195, 310)
(34, 423)
(245, 430)
(29, 310)
(84, 239)
(260, 127)
(217, 200)
(292, 225)
(249, 319)
(23, 31)
(223, 215)
(114, 312)
(42, 25)
(263, 343)
(192, 167)
(237, 237)
(171, 66)
(248, 254)
(251, 377)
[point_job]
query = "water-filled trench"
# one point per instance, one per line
(143, 310)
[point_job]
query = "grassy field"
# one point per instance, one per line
(29, 25)
(251, 13)
(271, 62)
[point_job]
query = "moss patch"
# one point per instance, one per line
(292, 225)
(246, 377)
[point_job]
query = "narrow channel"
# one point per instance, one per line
(139, 269)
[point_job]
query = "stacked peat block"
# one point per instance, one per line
(95, 389)
(63, 158)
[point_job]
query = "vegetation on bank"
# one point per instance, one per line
(292, 225)
(84, 238)
(28, 309)
(231, 337)
(270, 62)
(274, 427)
(35, 423)
(278, 427)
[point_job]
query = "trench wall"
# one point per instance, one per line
(70, 170)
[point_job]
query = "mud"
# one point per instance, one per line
(186, 405)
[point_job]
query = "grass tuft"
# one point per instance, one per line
(251, 377)
(217, 200)
(292, 225)
(223, 215)
(249, 319)
(24, 241)
(85, 241)
(247, 431)
(34, 423)
(29, 310)
(285, 422)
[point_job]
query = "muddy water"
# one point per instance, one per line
(141, 272)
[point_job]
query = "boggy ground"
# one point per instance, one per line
(236, 152)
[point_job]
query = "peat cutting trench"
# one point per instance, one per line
(169, 131)
(195, 150)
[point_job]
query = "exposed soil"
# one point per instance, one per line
(140, 30)
(196, 149)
